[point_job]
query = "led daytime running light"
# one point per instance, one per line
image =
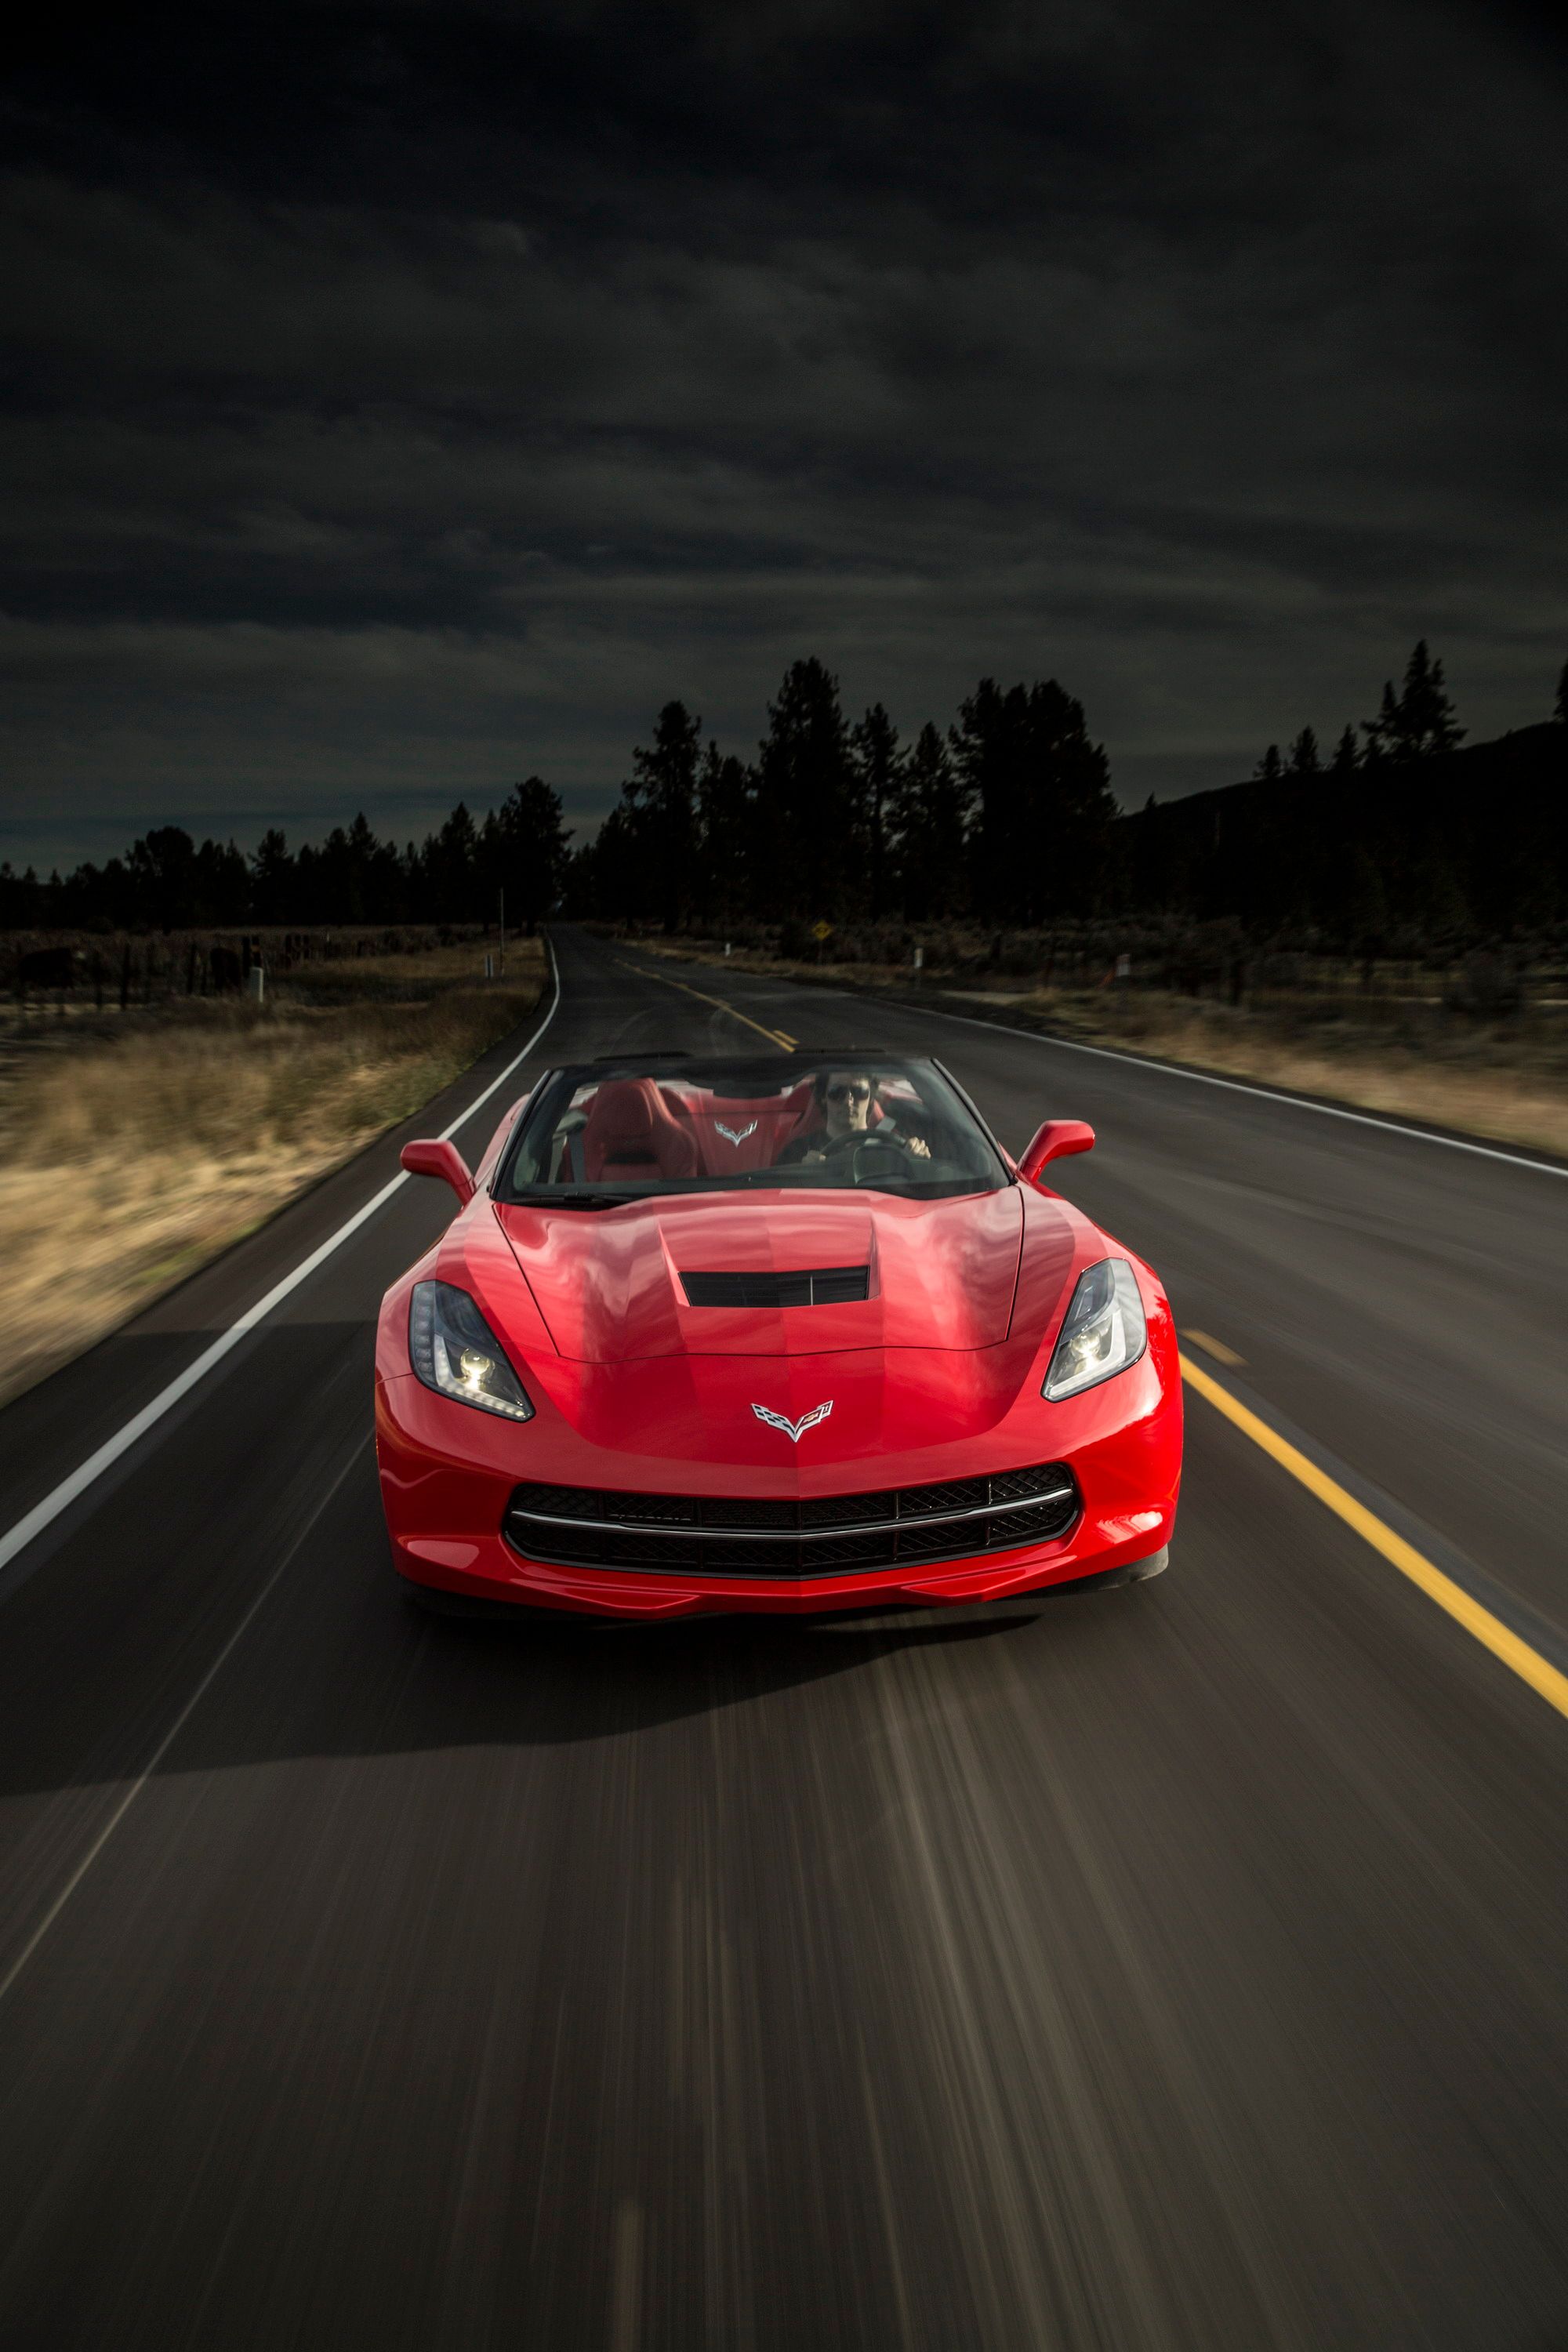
(1103, 1332)
(454, 1351)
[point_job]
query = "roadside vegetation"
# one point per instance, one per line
(1478, 1043)
(135, 1146)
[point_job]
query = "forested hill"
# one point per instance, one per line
(1444, 845)
(1006, 820)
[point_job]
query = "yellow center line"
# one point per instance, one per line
(773, 1036)
(1489, 1631)
(1214, 1348)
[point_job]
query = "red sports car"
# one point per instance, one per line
(725, 1335)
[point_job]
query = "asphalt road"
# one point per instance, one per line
(1177, 1967)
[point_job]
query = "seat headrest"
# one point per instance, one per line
(629, 1125)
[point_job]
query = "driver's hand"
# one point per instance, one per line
(919, 1147)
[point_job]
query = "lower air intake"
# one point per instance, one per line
(713, 1534)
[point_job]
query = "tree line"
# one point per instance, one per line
(1416, 723)
(1005, 818)
(1008, 814)
(168, 882)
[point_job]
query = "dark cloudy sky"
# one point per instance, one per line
(400, 398)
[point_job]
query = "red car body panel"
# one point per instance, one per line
(942, 1273)
(936, 1375)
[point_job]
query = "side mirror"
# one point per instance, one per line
(1054, 1140)
(443, 1160)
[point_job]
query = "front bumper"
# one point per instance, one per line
(449, 1476)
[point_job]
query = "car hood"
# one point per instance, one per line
(607, 1282)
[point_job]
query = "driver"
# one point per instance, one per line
(845, 1099)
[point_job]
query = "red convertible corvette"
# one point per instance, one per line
(746, 1335)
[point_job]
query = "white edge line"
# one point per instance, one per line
(62, 1497)
(1240, 1087)
(161, 1749)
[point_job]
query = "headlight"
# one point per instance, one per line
(1104, 1331)
(454, 1351)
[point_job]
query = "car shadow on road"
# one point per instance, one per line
(337, 1661)
(552, 1681)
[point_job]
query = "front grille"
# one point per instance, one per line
(718, 1535)
(821, 1285)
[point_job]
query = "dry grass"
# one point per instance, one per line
(130, 1160)
(1508, 1081)
(1508, 1085)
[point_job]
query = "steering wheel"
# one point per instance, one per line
(872, 1156)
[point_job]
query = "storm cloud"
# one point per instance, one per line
(400, 399)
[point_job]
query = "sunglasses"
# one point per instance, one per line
(849, 1094)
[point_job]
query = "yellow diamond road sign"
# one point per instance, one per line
(822, 931)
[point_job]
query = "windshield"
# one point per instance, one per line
(616, 1132)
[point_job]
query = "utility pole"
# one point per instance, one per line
(503, 931)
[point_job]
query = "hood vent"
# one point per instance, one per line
(822, 1286)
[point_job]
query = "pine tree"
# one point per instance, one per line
(357, 859)
(875, 744)
(1426, 709)
(222, 880)
(1268, 770)
(335, 879)
(1418, 721)
(163, 866)
(662, 792)
(530, 845)
(981, 745)
(1346, 759)
(806, 793)
(19, 897)
(1303, 759)
(726, 812)
(451, 869)
(927, 826)
(1384, 734)
(272, 879)
(1041, 795)
(609, 876)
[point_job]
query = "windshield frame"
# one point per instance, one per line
(554, 1089)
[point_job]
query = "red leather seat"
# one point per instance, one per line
(631, 1131)
(741, 1132)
